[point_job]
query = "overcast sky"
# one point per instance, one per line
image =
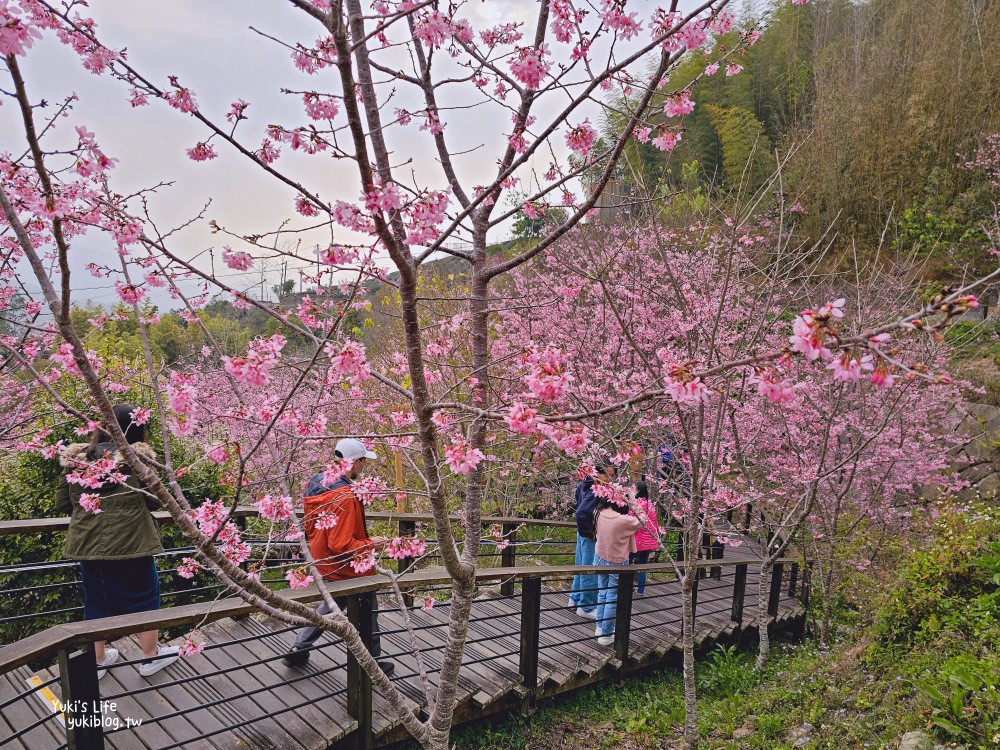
(212, 47)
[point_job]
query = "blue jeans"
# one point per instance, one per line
(640, 558)
(583, 593)
(607, 597)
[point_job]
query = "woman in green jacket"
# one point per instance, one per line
(113, 536)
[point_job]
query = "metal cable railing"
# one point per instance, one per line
(509, 633)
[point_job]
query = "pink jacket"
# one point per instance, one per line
(644, 540)
(616, 536)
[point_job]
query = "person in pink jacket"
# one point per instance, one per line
(615, 542)
(647, 539)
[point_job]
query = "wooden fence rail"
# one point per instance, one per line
(78, 671)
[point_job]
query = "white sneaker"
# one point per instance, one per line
(592, 614)
(571, 603)
(597, 631)
(606, 640)
(110, 657)
(166, 655)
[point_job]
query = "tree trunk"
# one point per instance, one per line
(824, 623)
(687, 640)
(763, 594)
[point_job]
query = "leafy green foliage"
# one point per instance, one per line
(726, 671)
(965, 696)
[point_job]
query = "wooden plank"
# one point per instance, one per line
(328, 716)
(125, 679)
(479, 675)
(27, 711)
(230, 706)
(238, 657)
(330, 654)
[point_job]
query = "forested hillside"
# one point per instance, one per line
(872, 110)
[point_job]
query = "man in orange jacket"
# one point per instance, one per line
(335, 547)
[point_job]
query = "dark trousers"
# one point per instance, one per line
(308, 636)
(640, 558)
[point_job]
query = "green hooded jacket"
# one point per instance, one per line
(124, 529)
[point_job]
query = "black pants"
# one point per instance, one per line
(309, 635)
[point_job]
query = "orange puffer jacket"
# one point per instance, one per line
(335, 548)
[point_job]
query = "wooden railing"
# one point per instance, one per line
(32, 578)
(78, 671)
(14, 624)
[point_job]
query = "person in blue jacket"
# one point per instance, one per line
(583, 593)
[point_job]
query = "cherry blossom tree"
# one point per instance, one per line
(392, 78)
(635, 317)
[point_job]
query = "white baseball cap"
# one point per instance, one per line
(352, 449)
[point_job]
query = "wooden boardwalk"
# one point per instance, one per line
(240, 694)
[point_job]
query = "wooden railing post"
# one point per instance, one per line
(739, 593)
(774, 596)
(806, 585)
(81, 698)
(793, 578)
(359, 684)
(623, 619)
(406, 528)
(508, 557)
(746, 519)
(531, 613)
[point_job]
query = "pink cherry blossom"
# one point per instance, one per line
(848, 367)
(255, 367)
(350, 361)
(91, 503)
(130, 294)
(402, 547)
(615, 17)
(581, 138)
(529, 65)
(733, 69)
(275, 509)
(202, 152)
(298, 578)
(522, 419)
(326, 520)
(432, 28)
(667, 140)
(237, 259)
(305, 206)
(461, 457)
(17, 34)
(678, 104)
(218, 453)
(320, 107)
(190, 648)
(363, 563)
(774, 388)
(181, 98)
(188, 568)
(547, 378)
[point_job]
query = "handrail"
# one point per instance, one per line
(61, 523)
(62, 636)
